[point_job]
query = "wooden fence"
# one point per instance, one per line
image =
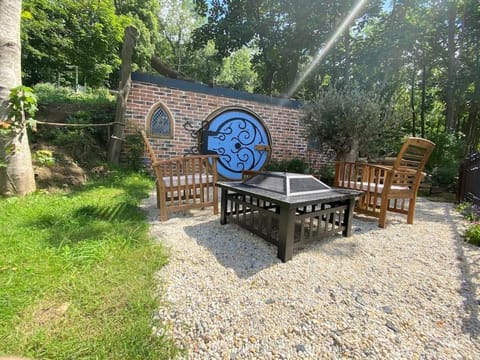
(469, 179)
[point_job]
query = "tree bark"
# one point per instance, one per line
(412, 101)
(16, 170)
(424, 96)
(118, 134)
(473, 123)
(452, 69)
(352, 155)
(165, 70)
(346, 43)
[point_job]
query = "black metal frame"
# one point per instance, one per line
(287, 221)
(469, 179)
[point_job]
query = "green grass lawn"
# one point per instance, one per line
(77, 274)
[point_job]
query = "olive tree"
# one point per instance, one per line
(348, 121)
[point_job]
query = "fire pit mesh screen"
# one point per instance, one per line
(268, 181)
(287, 183)
(306, 184)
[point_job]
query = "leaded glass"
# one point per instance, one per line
(160, 123)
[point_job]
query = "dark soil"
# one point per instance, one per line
(78, 153)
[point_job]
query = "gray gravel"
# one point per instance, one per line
(404, 292)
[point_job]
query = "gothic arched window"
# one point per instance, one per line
(160, 122)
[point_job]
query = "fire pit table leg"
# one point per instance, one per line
(349, 217)
(223, 207)
(286, 233)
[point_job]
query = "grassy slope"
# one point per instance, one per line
(76, 274)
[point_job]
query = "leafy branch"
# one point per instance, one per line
(21, 107)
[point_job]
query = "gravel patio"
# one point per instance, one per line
(404, 292)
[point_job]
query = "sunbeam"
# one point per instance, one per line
(324, 50)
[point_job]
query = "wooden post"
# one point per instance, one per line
(118, 134)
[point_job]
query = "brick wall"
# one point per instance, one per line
(191, 103)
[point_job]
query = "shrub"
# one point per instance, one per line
(327, 174)
(135, 152)
(470, 211)
(445, 159)
(293, 165)
(44, 157)
(85, 145)
(472, 234)
(50, 93)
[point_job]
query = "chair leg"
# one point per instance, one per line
(157, 185)
(382, 220)
(215, 200)
(411, 210)
(163, 206)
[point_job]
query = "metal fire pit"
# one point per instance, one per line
(287, 209)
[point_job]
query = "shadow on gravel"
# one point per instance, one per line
(247, 254)
(234, 248)
(468, 288)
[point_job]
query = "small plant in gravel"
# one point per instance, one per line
(472, 234)
(471, 213)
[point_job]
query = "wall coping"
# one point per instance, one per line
(215, 91)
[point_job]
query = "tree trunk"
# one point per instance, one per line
(473, 122)
(412, 102)
(116, 141)
(165, 70)
(452, 70)
(16, 170)
(346, 43)
(352, 155)
(424, 96)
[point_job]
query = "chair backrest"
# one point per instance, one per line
(414, 154)
(151, 153)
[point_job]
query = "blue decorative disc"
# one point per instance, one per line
(241, 141)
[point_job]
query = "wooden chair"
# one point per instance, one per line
(387, 188)
(184, 183)
(153, 159)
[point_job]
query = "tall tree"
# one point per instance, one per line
(177, 19)
(16, 171)
(289, 34)
(470, 56)
(85, 34)
(143, 15)
(451, 116)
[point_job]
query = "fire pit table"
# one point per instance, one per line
(287, 209)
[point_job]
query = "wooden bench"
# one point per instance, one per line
(184, 183)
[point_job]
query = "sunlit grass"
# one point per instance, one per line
(77, 274)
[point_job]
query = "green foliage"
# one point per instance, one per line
(445, 159)
(340, 119)
(288, 34)
(204, 64)
(143, 15)
(327, 174)
(469, 211)
(237, 71)
(43, 157)
(49, 93)
(85, 145)
(292, 165)
(472, 234)
(22, 106)
(59, 37)
(135, 152)
(77, 261)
